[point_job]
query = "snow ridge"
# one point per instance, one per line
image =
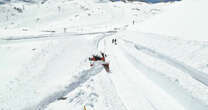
(84, 76)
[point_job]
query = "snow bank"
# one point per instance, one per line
(186, 20)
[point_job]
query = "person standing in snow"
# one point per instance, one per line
(112, 41)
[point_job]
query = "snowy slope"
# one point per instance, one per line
(71, 16)
(185, 20)
(45, 49)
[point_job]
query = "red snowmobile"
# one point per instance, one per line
(95, 58)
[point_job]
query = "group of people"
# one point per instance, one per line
(114, 41)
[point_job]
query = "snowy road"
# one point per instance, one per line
(154, 90)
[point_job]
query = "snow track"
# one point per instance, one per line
(198, 75)
(50, 36)
(84, 76)
(148, 83)
(171, 88)
(137, 83)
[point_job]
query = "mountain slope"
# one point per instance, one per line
(45, 50)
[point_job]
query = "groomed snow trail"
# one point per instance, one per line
(146, 88)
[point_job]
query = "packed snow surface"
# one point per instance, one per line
(45, 48)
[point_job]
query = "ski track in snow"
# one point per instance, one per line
(149, 101)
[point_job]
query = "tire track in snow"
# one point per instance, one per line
(146, 100)
(159, 81)
(194, 73)
(149, 101)
(173, 89)
(84, 76)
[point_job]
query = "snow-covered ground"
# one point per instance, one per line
(186, 19)
(45, 49)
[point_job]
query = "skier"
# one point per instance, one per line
(115, 41)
